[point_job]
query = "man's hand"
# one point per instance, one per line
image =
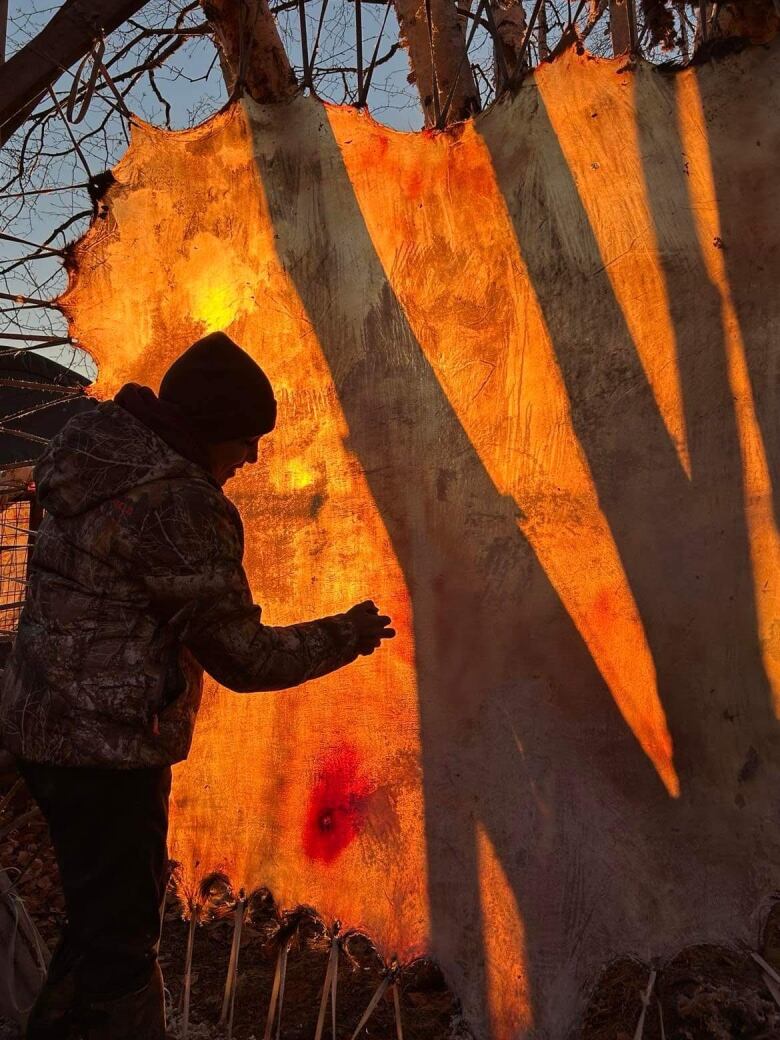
(372, 627)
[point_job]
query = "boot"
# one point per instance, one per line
(135, 1016)
(54, 1013)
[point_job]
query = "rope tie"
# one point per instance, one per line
(22, 922)
(95, 53)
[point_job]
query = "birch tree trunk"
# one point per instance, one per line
(253, 55)
(509, 18)
(437, 57)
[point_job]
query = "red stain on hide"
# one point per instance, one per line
(380, 146)
(337, 804)
(414, 184)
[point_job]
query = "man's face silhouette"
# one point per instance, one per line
(227, 457)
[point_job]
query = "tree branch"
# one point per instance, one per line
(65, 39)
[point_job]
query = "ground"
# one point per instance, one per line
(429, 1011)
(705, 992)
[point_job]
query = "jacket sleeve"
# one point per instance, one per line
(187, 548)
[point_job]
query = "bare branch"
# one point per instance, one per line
(67, 38)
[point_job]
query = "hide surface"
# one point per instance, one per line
(527, 372)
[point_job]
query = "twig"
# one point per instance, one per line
(20, 821)
(185, 1023)
(373, 64)
(6, 800)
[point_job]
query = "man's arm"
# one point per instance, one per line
(229, 640)
(186, 547)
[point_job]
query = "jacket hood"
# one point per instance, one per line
(99, 456)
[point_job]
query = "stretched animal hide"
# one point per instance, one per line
(528, 381)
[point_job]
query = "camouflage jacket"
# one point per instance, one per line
(136, 586)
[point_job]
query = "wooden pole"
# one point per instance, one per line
(541, 34)
(307, 80)
(509, 20)
(3, 29)
(359, 47)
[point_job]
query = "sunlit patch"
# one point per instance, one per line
(301, 474)
(588, 113)
(216, 282)
(482, 329)
(507, 983)
(757, 482)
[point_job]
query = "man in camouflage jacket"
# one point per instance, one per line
(136, 586)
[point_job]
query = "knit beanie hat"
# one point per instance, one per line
(220, 390)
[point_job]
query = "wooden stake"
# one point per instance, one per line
(380, 991)
(228, 1001)
(185, 1002)
(329, 986)
(640, 1026)
(277, 993)
(399, 1032)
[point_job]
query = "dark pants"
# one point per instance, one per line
(109, 830)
